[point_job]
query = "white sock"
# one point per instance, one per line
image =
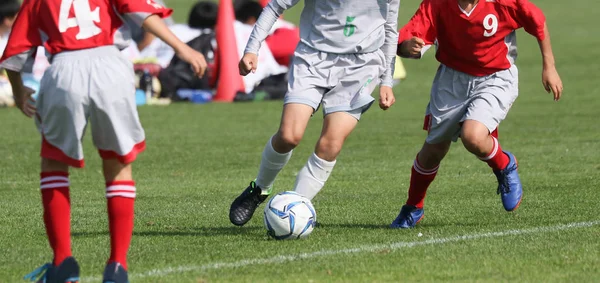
(271, 163)
(312, 176)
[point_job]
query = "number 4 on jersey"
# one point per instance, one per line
(84, 18)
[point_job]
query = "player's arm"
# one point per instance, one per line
(550, 78)
(22, 94)
(263, 25)
(386, 96)
(418, 33)
(156, 26)
(19, 54)
(532, 19)
(148, 14)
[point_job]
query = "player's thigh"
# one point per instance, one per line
(116, 128)
(447, 105)
(308, 78)
(294, 121)
(493, 98)
(305, 91)
(62, 110)
(356, 76)
(337, 127)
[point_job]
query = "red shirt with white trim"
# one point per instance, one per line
(480, 42)
(66, 25)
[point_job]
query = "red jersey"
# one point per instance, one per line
(478, 43)
(63, 25)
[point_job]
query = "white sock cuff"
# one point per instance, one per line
(423, 171)
(275, 157)
(321, 162)
(494, 150)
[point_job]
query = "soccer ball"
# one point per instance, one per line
(289, 215)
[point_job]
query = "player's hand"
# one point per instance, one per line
(386, 97)
(25, 102)
(412, 47)
(248, 63)
(552, 82)
(194, 58)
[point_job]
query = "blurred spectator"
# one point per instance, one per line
(139, 35)
(198, 34)
(201, 20)
(8, 13)
(246, 14)
(283, 38)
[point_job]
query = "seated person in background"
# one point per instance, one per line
(283, 37)
(8, 13)
(141, 37)
(201, 20)
(246, 14)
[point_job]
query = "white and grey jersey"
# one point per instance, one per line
(339, 27)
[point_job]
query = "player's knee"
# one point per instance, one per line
(51, 165)
(287, 139)
(329, 149)
(114, 170)
(474, 141)
(431, 155)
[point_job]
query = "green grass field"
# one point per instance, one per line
(200, 157)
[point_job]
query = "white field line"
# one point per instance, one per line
(367, 248)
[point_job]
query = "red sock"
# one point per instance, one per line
(497, 160)
(120, 197)
(420, 179)
(57, 213)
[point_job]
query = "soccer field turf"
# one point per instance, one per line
(200, 157)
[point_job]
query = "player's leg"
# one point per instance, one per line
(354, 77)
(493, 98)
(337, 127)
(278, 149)
(119, 137)
(275, 156)
(61, 119)
(447, 106)
(423, 172)
(120, 196)
(300, 102)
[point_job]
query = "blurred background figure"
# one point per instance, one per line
(8, 13)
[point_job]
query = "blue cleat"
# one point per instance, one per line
(509, 184)
(115, 273)
(66, 272)
(409, 217)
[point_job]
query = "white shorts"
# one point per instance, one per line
(96, 84)
(340, 82)
(456, 97)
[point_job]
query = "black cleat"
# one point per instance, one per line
(115, 273)
(243, 207)
(66, 272)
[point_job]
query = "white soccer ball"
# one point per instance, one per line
(289, 215)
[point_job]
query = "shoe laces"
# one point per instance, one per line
(38, 273)
(504, 183)
(254, 196)
(409, 218)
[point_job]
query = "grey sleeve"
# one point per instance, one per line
(136, 19)
(391, 43)
(22, 62)
(265, 22)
